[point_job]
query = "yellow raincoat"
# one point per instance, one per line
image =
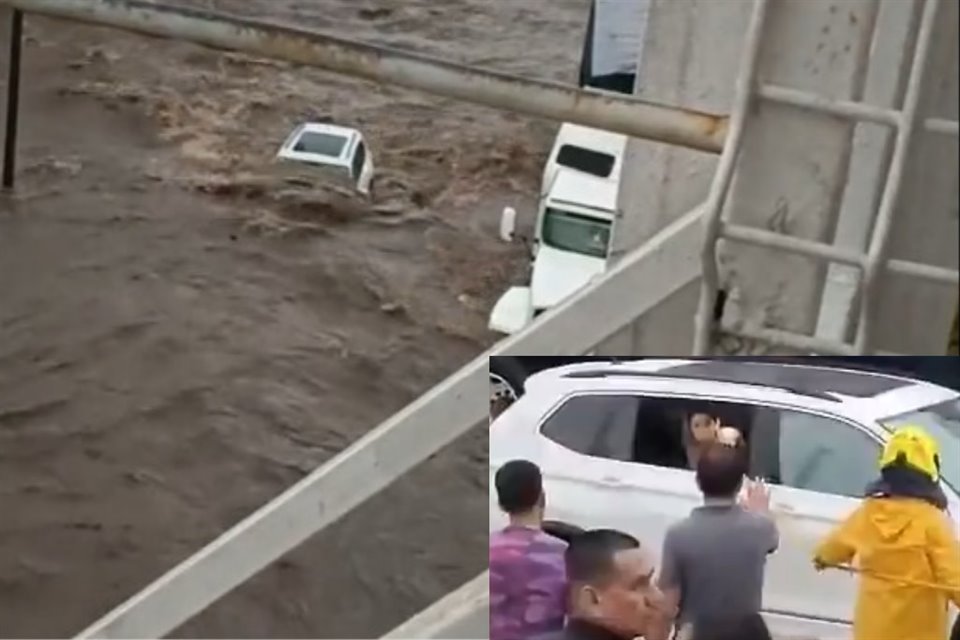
(909, 561)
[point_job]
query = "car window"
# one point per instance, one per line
(587, 160)
(792, 448)
(322, 144)
(573, 232)
(597, 425)
(942, 421)
(359, 157)
(632, 428)
(825, 455)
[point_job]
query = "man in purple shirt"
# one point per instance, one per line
(527, 575)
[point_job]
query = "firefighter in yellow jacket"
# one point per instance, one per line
(904, 545)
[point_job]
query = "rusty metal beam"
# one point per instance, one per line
(565, 103)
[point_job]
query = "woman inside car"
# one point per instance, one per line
(704, 427)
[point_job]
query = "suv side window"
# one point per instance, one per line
(632, 428)
(596, 425)
(792, 448)
(359, 157)
(825, 455)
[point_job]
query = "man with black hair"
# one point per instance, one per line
(527, 575)
(714, 560)
(612, 591)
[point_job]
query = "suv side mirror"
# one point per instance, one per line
(508, 224)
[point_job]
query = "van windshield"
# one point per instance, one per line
(942, 421)
(576, 233)
(586, 160)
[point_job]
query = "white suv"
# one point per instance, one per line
(608, 439)
(339, 153)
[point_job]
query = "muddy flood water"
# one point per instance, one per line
(182, 336)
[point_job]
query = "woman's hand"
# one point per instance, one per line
(729, 436)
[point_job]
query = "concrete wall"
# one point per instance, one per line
(890, 57)
(660, 182)
(916, 317)
(794, 166)
(913, 317)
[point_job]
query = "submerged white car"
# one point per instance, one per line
(607, 437)
(339, 152)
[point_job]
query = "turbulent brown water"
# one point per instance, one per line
(181, 336)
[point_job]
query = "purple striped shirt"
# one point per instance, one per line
(527, 583)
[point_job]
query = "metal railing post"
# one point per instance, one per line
(704, 328)
(909, 120)
(13, 99)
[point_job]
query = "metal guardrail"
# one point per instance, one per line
(630, 116)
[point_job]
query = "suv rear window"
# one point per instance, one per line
(601, 425)
(323, 144)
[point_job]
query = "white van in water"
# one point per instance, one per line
(576, 211)
(593, 151)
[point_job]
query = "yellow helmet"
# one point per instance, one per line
(913, 446)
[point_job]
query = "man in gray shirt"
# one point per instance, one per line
(713, 561)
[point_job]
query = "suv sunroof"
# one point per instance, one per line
(672, 373)
(812, 381)
(808, 380)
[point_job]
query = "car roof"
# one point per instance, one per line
(583, 190)
(594, 139)
(864, 396)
